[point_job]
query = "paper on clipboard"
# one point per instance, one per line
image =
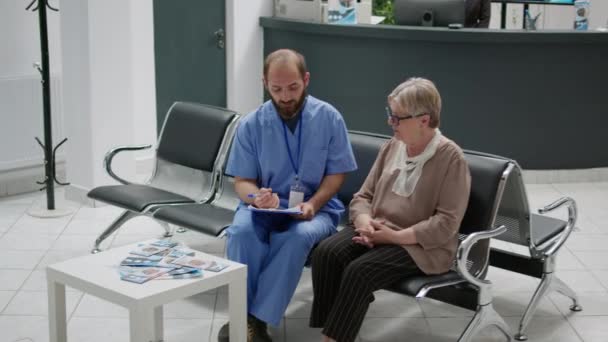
(291, 211)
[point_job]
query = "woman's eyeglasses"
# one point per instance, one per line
(394, 119)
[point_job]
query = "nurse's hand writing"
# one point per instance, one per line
(308, 211)
(265, 199)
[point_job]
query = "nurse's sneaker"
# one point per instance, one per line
(257, 331)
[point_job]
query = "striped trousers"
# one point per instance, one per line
(344, 278)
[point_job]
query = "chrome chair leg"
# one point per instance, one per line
(543, 289)
(168, 229)
(561, 287)
(484, 317)
(119, 221)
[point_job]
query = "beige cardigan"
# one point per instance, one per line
(434, 210)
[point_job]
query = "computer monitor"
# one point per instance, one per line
(429, 12)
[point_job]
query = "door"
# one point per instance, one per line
(190, 54)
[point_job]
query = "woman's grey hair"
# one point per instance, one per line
(419, 96)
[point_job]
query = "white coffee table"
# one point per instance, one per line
(97, 274)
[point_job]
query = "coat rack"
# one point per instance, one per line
(50, 177)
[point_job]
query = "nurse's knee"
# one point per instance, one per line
(239, 233)
(300, 239)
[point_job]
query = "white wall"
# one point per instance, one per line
(144, 80)
(245, 53)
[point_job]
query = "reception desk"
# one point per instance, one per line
(539, 97)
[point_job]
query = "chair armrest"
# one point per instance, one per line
(462, 254)
(107, 160)
(572, 216)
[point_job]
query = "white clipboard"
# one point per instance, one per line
(289, 211)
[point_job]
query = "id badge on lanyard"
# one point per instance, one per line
(296, 194)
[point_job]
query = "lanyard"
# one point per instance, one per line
(294, 164)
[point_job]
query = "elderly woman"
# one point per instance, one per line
(404, 219)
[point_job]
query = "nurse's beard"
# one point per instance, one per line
(289, 114)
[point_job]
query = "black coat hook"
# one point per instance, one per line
(46, 2)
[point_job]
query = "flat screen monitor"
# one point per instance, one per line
(429, 12)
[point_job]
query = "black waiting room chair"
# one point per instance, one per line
(210, 218)
(542, 235)
(190, 159)
(465, 285)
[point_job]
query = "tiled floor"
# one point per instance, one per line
(28, 244)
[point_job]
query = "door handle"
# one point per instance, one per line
(220, 38)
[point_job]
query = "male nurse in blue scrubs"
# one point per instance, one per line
(293, 151)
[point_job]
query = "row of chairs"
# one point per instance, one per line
(189, 189)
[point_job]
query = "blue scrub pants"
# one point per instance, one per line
(274, 248)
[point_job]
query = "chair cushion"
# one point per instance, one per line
(543, 228)
(204, 218)
(412, 285)
(135, 197)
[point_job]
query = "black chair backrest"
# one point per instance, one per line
(365, 148)
(192, 134)
(488, 177)
(514, 211)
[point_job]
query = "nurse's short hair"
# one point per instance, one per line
(285, 56)
(417, 96)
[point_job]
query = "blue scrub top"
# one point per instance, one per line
(259, 151)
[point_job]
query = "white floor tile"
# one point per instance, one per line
(591, 328)
(392, 329)
(178, 330)
(581, 281)
(594, 260)
(35, 225)
(26, 241)
(299, 307)
(81, 243)
(434, 308)
(546, 329)
(24, 328)
(297, 330)
(5, 298)
(568, 261)
(89, 329)
(197, 306)
(20, 259)
(52, 257)
(12, 212)
(450, 329)
(602, 276)
(593, 303)
(36, 303)
(507, 281)
(86, 227)
(11, 280)
(103, 213)
(587, 243)
(91, 306)
(514, 304)
(37, 282)
(141, 225)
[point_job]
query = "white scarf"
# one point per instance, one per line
(411, 167)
